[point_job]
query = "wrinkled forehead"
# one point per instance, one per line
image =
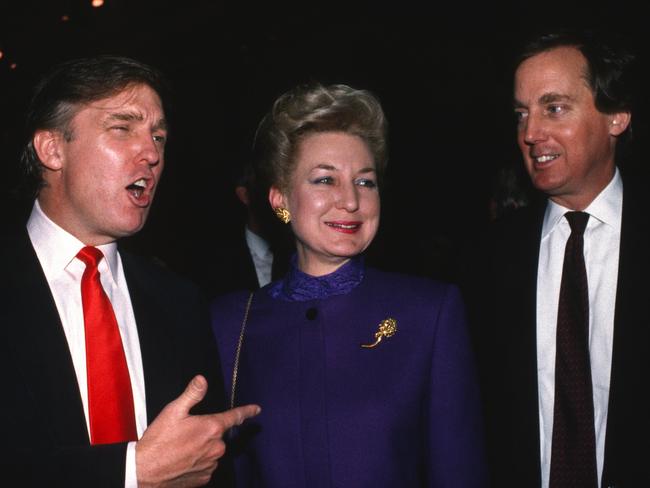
(134, 95)
(135, 102)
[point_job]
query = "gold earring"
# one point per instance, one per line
(283, 214)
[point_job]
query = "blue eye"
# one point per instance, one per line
(366, 182)
(555, 109)
(325, 180)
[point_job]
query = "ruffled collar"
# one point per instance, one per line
(297, 286)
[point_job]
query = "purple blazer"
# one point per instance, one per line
(402, 414)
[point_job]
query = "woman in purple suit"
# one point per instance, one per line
(365, 378)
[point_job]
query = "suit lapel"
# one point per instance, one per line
(515, 303)
(629, 374)
(524, 346)
(161, 371)
(34, 325)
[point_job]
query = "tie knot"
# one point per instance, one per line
(91, 256)
(577, 221)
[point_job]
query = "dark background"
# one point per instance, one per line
(441, 72)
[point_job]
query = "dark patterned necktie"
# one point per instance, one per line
(573, 452)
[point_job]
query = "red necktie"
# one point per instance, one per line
(573, 448)
(110, 399)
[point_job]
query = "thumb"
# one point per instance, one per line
(193, 394)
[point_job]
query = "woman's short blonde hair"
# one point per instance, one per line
(314, 108)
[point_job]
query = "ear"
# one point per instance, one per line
(619, 122)
(277, 198)
(242, 195)
(47, 144)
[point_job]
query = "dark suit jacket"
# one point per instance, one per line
(231, 267)
(500, 288)
(45, 439)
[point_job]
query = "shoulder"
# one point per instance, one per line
(155, 275)
(231, 303)
(410, 290)
(19, 265)
(524, 219)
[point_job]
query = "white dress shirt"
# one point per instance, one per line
(601, 250)
(262, 255)
(56, 250)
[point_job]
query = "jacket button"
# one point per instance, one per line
(311, 313)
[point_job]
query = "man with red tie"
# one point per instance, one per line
(107, 359)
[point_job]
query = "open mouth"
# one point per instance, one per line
(137, 188)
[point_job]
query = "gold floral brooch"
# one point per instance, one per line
(387, 328)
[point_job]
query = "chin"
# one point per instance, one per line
(347, 252)
(127, 230)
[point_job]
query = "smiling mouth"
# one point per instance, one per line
(137, 188)
(347, 227)
(545, 158)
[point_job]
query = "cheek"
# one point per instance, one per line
(520, 139)
(158, 170)
(373, 205)
(309, 203)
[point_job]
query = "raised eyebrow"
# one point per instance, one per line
(546, 98)
(554, 97)
(329, 167)
(325, 166)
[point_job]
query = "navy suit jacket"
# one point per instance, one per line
(45, 438)
(403, 414)
(500, 283)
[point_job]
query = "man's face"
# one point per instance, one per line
(567, 144)
(100, 182)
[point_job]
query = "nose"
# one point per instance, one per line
(533, 130)
(149, 151)
(348, 197)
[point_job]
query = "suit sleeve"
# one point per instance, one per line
(456, 447)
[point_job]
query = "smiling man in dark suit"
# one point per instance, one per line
(105, 358)
(563, 404)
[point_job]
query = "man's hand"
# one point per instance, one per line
(179, 449)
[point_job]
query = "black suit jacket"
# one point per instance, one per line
(231, 267)
(500, 282)
(45, 438)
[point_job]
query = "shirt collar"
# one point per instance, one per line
(57, 248)
(258, 245)
(606, 207)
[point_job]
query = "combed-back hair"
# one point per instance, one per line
(314, 108)
(609, 71)
(71, 85)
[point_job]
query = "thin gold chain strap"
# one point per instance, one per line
(239, 344)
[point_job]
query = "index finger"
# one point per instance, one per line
(237, 415)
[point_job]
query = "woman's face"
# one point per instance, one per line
(333, 199)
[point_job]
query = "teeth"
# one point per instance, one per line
(545, 158)
(138, 187)
(343, 226)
